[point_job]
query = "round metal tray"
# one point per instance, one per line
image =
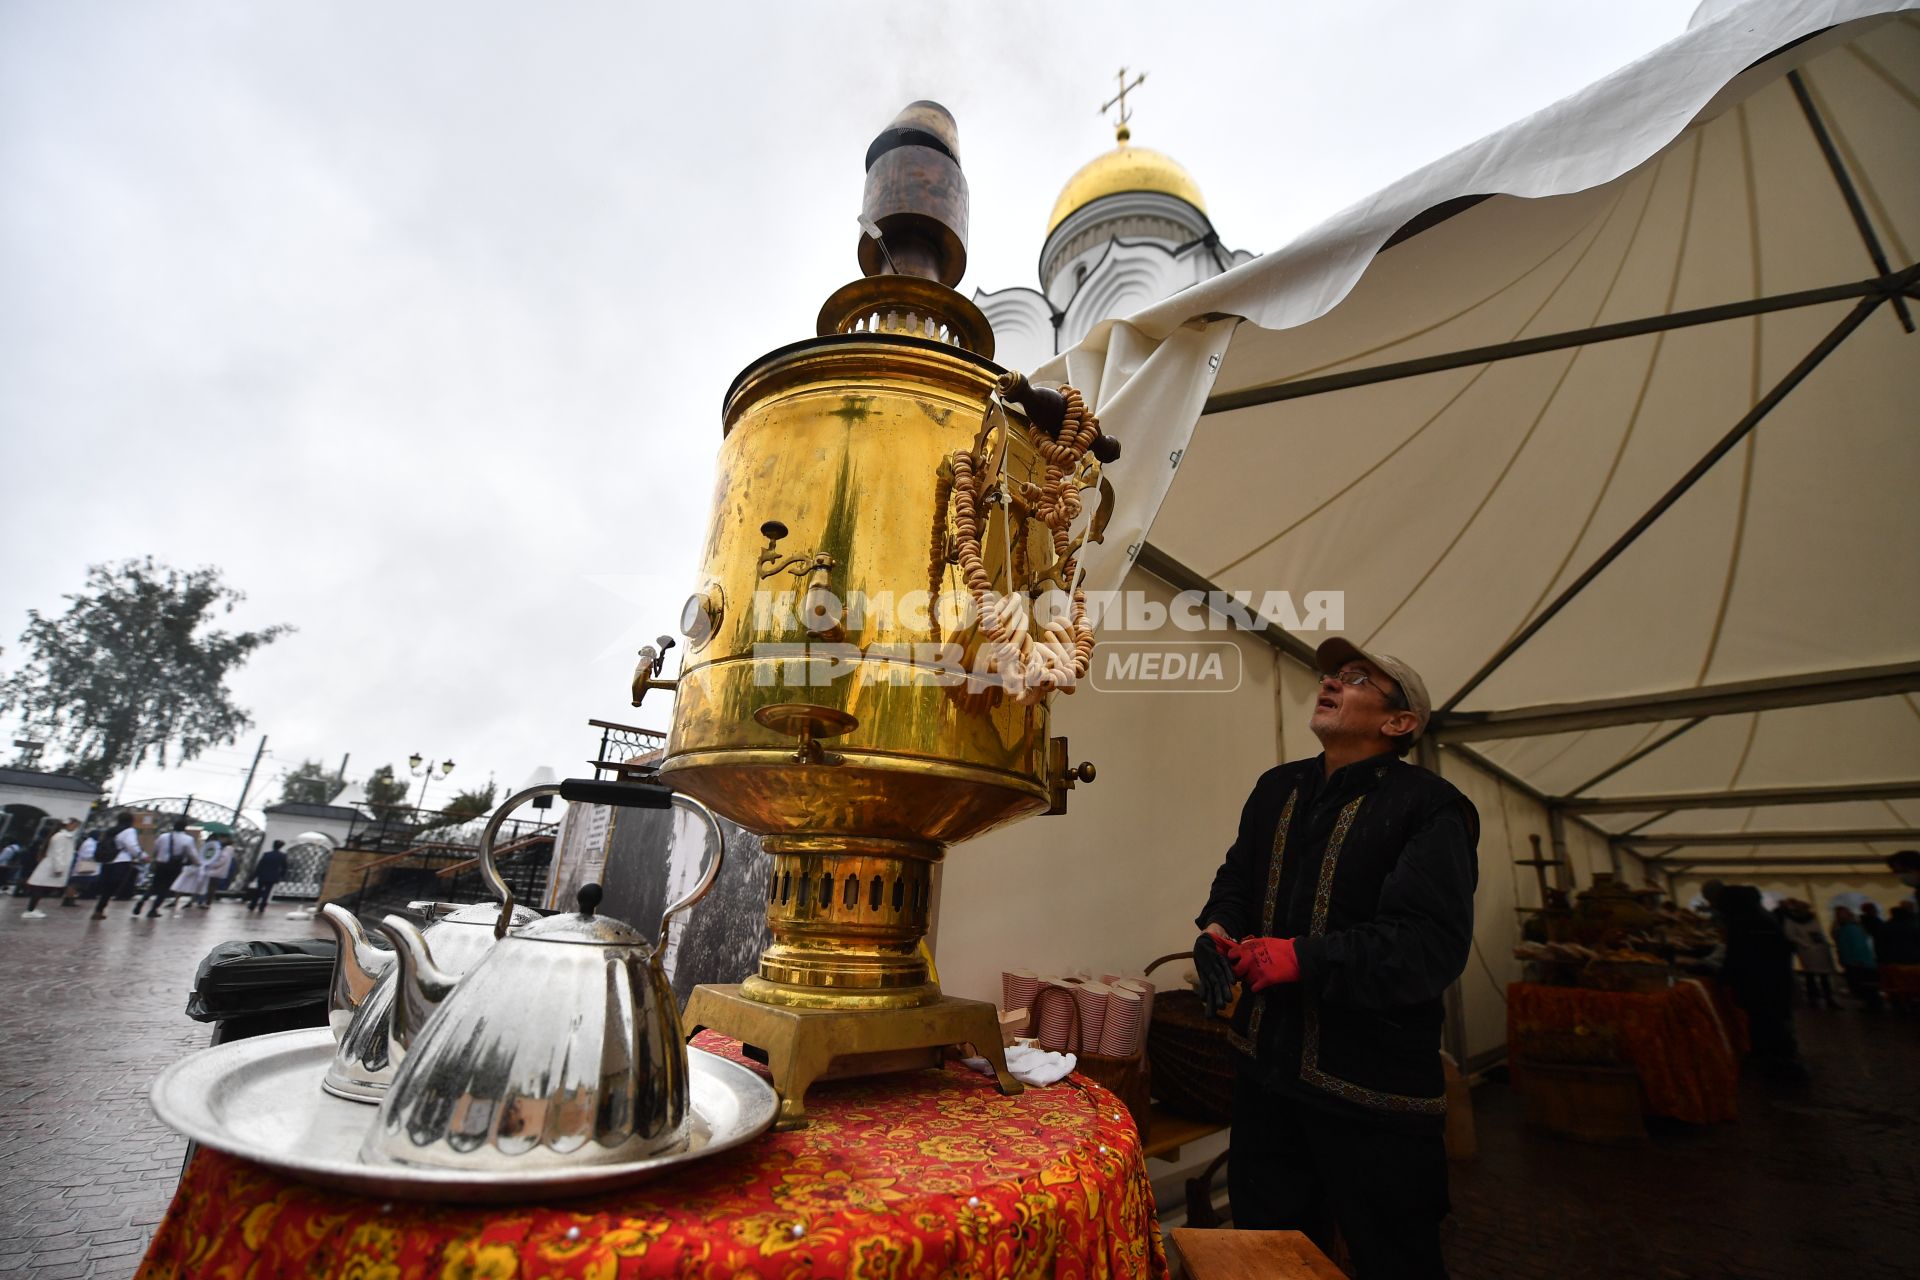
(261, 1098)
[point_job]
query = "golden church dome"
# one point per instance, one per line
(1125, 168)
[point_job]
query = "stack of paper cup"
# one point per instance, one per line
(1120, 1036)
(1054, 1017)
(1092, 999)
(1144, 989)
(1018, 987)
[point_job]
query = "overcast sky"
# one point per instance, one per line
(414, 318)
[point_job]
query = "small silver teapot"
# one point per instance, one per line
(365, 978)
(562, 1047)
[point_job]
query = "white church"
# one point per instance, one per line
(1129, 229)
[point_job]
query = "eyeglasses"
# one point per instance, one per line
(1355, 677)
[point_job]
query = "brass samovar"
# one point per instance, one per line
(879, 486)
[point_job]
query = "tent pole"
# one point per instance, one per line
(1273, 393)
(1781, 866)
(1819, 688)
(1426, 753)
(1636, 757)
(1740, 839)
(1844, 181)
(1749, 798)
(1644, 822)
(1748, 421)
(1557, 834)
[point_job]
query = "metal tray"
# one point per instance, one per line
(261, 1098)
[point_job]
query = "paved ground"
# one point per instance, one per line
(93, 1011)
(1812, 1181)
(1821, 1179)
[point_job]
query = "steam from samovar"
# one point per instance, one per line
(887, 597)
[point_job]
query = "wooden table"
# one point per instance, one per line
(919, 1174)
(1673, 1039)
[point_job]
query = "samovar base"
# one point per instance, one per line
(790, 995)
(806, 1045)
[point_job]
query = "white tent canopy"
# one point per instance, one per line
(1606, 423)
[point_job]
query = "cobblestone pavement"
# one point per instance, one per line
(92, 1012)
(1812, 1180)
(1817, 1179)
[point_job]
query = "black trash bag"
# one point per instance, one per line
(241, 979)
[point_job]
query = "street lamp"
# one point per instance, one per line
(422, 768)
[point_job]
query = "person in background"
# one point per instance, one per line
(1870, 921)
(86, 868)
(1899, 940)
(1857, 958)
(271, 868)
(11, 858)
(119, 861)
(216, 864)
(172, 853)
(1802, 928)
(192, 877)
(1759, 971)
(49, 875)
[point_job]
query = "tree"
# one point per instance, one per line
(386, 794)
(311, 783)
(134, 668)
(469, 805)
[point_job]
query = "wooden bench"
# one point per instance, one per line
(1225, 1254)
(1167, 1133)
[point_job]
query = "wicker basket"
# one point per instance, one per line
(1193, 1061)
(1127, 1077)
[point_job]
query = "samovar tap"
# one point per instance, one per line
(653, 658)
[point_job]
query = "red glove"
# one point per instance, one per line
(1264, 962)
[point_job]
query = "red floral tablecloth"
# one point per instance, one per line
(1673, 1039)
(930, 1173)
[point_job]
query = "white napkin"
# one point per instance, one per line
(1029, 1066)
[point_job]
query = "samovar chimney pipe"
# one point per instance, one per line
(916, 198)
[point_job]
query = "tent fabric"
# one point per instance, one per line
(1451, 508)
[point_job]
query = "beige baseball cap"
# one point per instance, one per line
(1336, 653)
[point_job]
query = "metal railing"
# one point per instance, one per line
(621, 744)
(428, 867)
(524, 864)
(432, 856)
(400, 828)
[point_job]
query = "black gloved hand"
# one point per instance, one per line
(1215, 974)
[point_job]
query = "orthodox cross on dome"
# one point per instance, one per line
(1120, 130)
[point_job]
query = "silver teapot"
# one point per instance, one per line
(365, 978)
(562, 1047)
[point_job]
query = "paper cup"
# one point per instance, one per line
(1092, 999)
(1054, 1017)
(1018, 987)
(1120, 1036)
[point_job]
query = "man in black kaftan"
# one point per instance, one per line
(1345, 907)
